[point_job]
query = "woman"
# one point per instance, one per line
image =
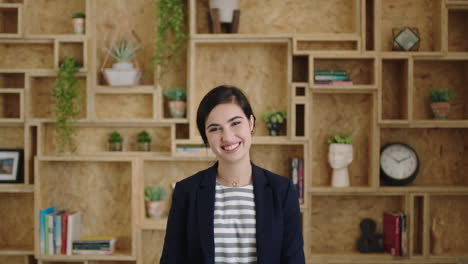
(234, 211)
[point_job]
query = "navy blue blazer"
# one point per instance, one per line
(190, 233)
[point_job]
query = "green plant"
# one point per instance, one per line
(340, 139)
(115, 137)
(170, 33)
(124, 50)
(440, 95)
(274, 116)
(175, 94)
(143, 137)
(155, 193)
(79, 15)
(66, 98)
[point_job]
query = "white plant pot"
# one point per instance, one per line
(122, 74)
(339, 157)
(226, 9)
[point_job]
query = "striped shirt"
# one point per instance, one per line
(234, 225)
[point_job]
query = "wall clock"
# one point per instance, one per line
(399, 164)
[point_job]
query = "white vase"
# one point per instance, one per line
(339, 157)
(226, 9)
(122, 74)
(79, 25)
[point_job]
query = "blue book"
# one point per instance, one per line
(330, 73)
(58, 231)
(331, 78)
(42, 227)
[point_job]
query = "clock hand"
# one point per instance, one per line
(404, 159)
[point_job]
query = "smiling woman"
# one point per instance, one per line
(237, 212)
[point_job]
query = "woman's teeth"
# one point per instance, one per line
(231, 147)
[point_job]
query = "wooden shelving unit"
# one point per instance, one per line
(273, 58)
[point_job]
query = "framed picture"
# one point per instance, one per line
(11, 165)
(406, 39)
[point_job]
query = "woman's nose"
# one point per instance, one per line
(227, 134)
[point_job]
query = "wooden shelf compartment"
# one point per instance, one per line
(152, 242)
(447, 224)
(265, 17)
(264, 79)
(457, 24)
(426, 15)
(72, 49)
(52, 18)
(15, 258)
(368, 25)
(11, 104)
(92, 139)
(130, 106)
(352, 114)
(102, 191)
(299, 122)
(449, 74)
(328, 43)
(39, 97)
(12, 80)
(360, 70)
(13, 137)
(300, 68)
(442, 154)
(334, 222)
(17, 229)
(139, 14)
(395, 88)
(33, 54)
(10, 20)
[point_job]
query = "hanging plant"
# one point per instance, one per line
(66, 96)
(170, 33)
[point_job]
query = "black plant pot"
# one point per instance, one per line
(274, 129)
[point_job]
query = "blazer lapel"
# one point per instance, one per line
(263, 208)
(205, 210)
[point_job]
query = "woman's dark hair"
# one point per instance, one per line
(221, 95)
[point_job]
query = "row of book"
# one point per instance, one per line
(332, 78)
(297, 176)
(395, 233)
(59, 233)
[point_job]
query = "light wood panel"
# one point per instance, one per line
(259, 69)
(27, 55)
(395, 89)
(12, 137)
(17, 228)
(336, 114)
(304, 17)
(457, 31)
(442, 154)
(276, 158)
(152, 244)
(129, 106)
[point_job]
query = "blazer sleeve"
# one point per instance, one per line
(293, 243)
(175, 246)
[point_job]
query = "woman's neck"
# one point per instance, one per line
(239, 173)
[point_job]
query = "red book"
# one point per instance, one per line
(64, 232)
(392, 232)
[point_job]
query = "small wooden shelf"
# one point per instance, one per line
(343, 89)
(16, 188)
(154, 224)
(11, 20)
(16, 251)
(75, 49)
(139, 89)
(117, 256)
(11, 104)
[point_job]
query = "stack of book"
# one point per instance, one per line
(104, 245)
(395, 233)
(331, 78)
(297, 175)
(57, 230)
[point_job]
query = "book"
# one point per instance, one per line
(331, 78)
(391, 228)
(91, 252)
(42, 227)
(96, 239)
(294, 174)
(330, 73)
(300, 177)
(343, 83)
(404, 235)
(73, 229)
(58, 231)
(64, 232)
(50, 234)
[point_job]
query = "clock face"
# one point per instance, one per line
(399, 162)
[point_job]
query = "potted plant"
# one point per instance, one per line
(123, 71)
(115, 141)
(170, 34)
(144, 141)
(340, 155)
(274, 120)
(66, 99)
(226, 9)
(154, 200)
(177, 105)
(440, 102)
(79, 23)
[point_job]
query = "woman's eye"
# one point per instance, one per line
(235, 123)
(213, 129)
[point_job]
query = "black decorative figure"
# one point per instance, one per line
(369, 242)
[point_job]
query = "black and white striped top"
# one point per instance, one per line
(234, 225)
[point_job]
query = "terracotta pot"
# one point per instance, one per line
(177, 108)
(79, 25)
(274, 129)
(155, 209)
(440, 110)
(144, 146)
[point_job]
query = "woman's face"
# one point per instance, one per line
(228, 131)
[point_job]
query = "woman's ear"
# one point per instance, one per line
(251, 123)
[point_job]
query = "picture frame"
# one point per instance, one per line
(11, 165)
(406, 39)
